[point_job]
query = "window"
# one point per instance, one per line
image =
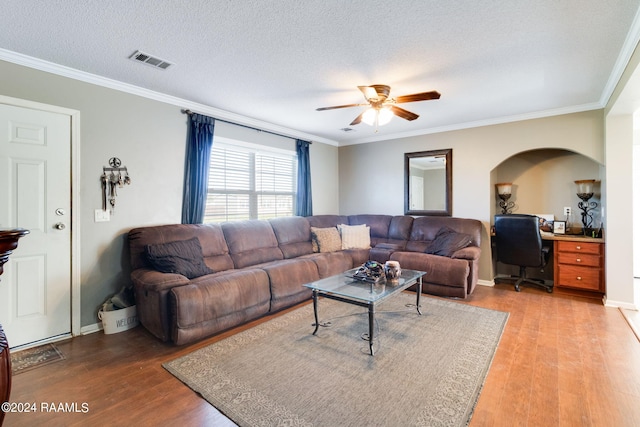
(250, 182)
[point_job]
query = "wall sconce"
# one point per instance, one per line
(585, 192)
(504, 192)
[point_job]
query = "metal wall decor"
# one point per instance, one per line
(111, 179)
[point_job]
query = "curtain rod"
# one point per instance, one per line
(189, 112)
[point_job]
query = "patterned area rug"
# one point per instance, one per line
(25, 360)
(427, 370)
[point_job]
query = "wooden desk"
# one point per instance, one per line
(578, 264)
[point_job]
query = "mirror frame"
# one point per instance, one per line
(448, 154)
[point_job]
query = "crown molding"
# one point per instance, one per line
(64, 71)
(480, 123)
(628, 47)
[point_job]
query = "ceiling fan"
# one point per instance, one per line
(381, 107)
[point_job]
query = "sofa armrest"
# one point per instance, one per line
(470, 253)
(155, 279)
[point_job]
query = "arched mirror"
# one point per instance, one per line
(427, 183)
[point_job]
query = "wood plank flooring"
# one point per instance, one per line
(562, 361)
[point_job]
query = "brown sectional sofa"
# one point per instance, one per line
(259, 267)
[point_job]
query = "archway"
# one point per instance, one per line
(543, 184)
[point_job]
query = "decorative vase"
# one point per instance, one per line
(392, 271)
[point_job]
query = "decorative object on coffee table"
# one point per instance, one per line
(392, 271)
(8, 242)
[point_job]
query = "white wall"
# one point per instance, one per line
(619, 220)
(636, 212)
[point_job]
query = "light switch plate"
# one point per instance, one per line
(102, 216)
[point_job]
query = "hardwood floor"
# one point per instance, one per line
(562, 361)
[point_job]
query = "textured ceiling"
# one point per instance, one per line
(273, 62)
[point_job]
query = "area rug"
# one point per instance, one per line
(427, 370)
(25, 360)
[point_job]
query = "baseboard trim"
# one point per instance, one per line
(90, 329)
(612, 303)
(485, 282)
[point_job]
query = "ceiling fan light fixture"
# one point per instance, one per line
(369, 116)
(377, 116)
(384, 116)
(381, 108)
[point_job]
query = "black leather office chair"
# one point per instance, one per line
(518, 242)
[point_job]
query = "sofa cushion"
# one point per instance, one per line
(332, 263)
(181, 257)
(214, 246)
(440, 270)
(400, 227)
(447, 242)
(251, 242)
(355, 236)
(326, 239)
(293, 234)
(211, 304)
(324, 221)
(286, 278)
(379, 224)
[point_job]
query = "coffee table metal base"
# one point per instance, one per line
(371, 306)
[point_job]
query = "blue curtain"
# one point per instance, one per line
(196, 172)
(303, 197)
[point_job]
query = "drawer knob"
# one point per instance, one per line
(579, 278)
(578, 260)
(578, 247)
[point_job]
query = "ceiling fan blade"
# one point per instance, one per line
(356, 120)
(424, 96)
(404, 114)
(369, 92)
(339, 106)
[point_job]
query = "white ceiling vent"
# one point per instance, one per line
(150, 60)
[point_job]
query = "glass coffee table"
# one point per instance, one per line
(343, 287)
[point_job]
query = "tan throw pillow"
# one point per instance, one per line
(326, 239)
(355, 236)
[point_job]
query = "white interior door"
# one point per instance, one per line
(35, 193)
(417, 192)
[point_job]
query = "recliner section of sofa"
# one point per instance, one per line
(259, 266)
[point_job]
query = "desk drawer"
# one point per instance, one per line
(579, 259)
(579, 277)
(582, 247)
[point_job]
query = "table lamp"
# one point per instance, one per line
(504, 192)
(585, 192)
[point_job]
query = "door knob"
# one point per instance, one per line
(59, 226)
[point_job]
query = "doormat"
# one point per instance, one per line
(25, 360)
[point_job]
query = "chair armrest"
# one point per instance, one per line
(470, 253)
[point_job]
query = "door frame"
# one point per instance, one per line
(74, 117)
